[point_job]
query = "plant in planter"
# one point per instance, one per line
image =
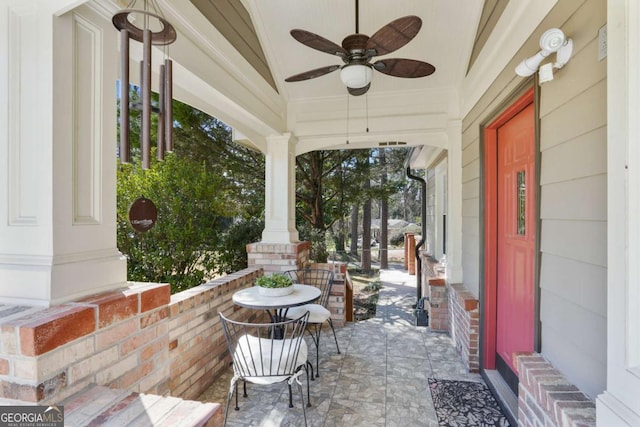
(274, 285)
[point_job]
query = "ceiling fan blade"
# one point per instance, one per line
(399, 67)
(312, 74)
(394, 35)
(317, 42)
(359, 91)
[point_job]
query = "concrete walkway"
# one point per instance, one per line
(379, 379)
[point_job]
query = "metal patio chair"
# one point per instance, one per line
(318, 312)
(262, 357)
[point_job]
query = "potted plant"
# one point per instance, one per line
(274, 285)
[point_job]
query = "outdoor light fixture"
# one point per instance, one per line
(552, 40)
(356, 76)
(152, 29)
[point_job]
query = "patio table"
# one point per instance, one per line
(276, 307)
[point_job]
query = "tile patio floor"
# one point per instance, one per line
(379, 379)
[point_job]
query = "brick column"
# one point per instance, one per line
(438, 305)
(464, 321)
(277, 257)
(410, 253)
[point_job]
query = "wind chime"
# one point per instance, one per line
(164, 35)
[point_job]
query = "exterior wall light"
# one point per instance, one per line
(551, 41)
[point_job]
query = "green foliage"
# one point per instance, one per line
(181, 248)
(209, 193)
(317, 238)
(397, 239)
(374, 286)
(276, 280)
(232, 253)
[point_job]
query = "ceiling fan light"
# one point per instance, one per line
(356, 76)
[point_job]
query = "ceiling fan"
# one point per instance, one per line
(357, 51)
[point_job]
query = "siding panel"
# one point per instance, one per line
(470, 154)
(583, 199)
(586, 373)
(579, 116)
(471, 171)
(578, 158)
(471, 190)
(579, 283)
(578, 240)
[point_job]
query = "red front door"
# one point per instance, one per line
(510, 219)
(516, 228)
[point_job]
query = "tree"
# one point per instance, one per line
(181, 248)
(366, 230)
(384, 213)
(210, 198)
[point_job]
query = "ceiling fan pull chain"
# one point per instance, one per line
(366, 100)
(347, 118)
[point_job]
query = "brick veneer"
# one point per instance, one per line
(139, 338)
(453, 309)
(119, 339)
(277, 257)
(546, 398)
(464, 324)
(438, 305)
(197, 347)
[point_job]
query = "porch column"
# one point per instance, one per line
(280, 191)
(57, 153)
(454, 202)
(618, 405)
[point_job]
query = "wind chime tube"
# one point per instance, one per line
(146, 100)
(125, 151)
(168, 105)
(161, 114)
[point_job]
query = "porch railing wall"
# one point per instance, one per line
(139, 338)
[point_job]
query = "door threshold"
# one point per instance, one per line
(507, 400)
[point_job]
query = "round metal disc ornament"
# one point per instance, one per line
(165, 36)
(142, 214)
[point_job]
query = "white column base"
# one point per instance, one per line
(28, 280)
(611, 412)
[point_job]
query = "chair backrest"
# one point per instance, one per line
(273, 350)
(322, 279)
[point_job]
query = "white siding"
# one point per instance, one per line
(431, 212)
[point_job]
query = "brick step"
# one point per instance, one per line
(102, 406)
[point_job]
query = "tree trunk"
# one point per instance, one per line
(340, 238)
(384, 216)
(354, 230)
(365, 260)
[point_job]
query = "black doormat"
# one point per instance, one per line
(465, 403)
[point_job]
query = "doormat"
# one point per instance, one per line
(465, 403)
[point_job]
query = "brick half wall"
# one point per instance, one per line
(139, 338)
(547, 398)
(464, 324)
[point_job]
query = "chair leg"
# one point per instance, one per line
(304, 408)
(310, 366)
(244, 389)
(316, 340)
(237, 408)
(334, 335)
(233, 386)
(290, 398)
(308, 392)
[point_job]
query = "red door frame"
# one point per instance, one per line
(490, 227)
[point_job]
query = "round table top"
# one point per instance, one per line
(251, 298)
